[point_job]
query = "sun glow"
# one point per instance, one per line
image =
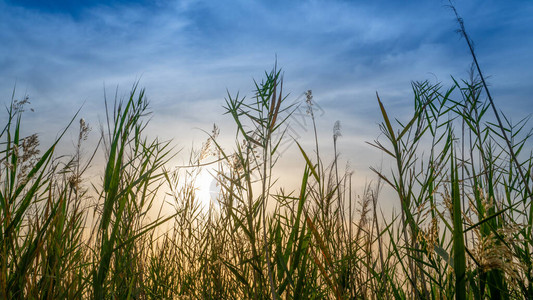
(207, 189)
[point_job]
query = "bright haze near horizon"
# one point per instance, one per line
(190, 54)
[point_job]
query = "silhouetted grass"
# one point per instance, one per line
(462, 183)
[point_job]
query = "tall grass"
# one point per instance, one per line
(462, 180)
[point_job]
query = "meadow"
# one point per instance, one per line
(461, 176)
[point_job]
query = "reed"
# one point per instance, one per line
(461, 177)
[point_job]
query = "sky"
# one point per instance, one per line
(190, 54)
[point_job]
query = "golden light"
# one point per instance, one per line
(207, 189)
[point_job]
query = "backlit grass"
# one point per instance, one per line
(461, 176)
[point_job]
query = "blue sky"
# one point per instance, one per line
(187, 53)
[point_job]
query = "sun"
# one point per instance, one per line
(207, 190)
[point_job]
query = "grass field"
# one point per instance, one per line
(462, 178)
